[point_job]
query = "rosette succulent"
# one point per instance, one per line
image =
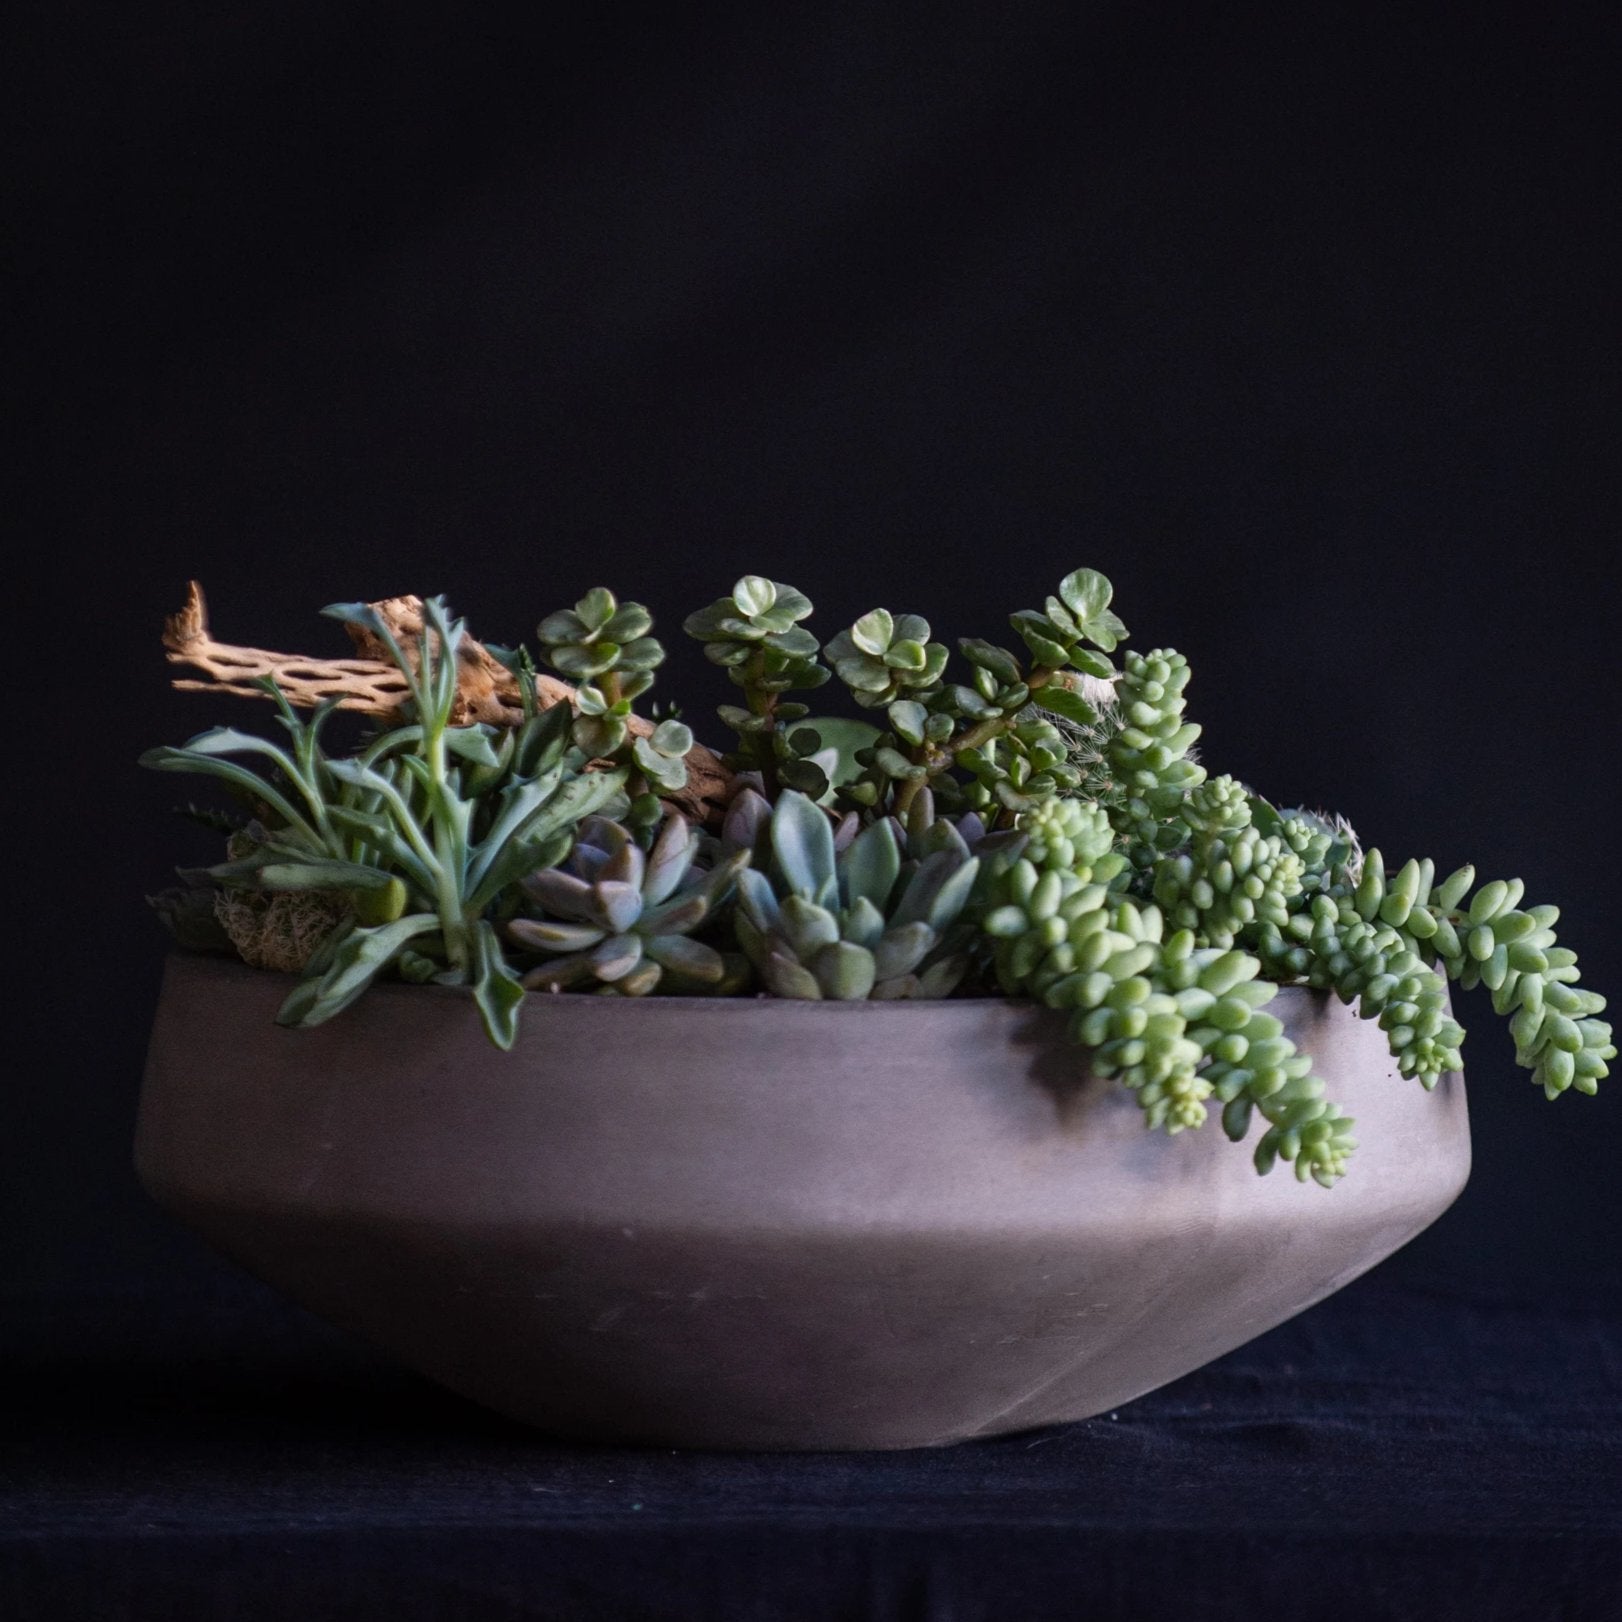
(848, 924)
(617, 919)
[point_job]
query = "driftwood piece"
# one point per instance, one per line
(485, 689)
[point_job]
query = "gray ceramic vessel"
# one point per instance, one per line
(760, 1224)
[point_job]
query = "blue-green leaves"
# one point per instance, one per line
(621, 920)
(849, 923)
(423, 830)
(356, 958)
(871, 866)
(802, 843)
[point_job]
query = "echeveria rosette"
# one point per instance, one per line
(620, 920)
(925, 829)
(853, 924)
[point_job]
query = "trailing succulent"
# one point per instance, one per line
(1027, 821)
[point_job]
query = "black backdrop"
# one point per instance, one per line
(1300, 328)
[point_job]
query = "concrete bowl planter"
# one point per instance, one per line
(734, 1223)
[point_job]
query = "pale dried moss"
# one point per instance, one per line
(278, 931)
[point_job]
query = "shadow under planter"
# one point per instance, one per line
(741, 1223)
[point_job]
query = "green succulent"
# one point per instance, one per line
(1080, 614)
(424, 830)
(1123, 1009)
(755, 635)
(849, 924)
(1231, 875)
(997, 690)
(1148, 753)
(759, 615)
(1018, 768)
(885, 657)
(601, 636)
(1041, 825)
(1251, 1065)
(604, 645)
(1491, 941)
(1039, 885)
(1323, 845)
(623, 919)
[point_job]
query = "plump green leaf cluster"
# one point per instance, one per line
(1029, 820)
(1252, 1066)
(1148, 753)
(605, 646)
(755, 635)
(1488, 939)
(1332, 946)
(1225, 875)
(1173, 1022)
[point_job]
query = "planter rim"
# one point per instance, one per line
(229, 968)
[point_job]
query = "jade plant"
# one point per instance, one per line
(1026, 821)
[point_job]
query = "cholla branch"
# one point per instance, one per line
(371, 684)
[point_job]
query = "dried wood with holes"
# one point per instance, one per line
(485, 689)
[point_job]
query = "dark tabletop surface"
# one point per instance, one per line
(1393, 1453)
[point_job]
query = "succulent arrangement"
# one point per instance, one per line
(1026, 821)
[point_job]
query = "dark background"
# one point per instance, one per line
(1300, 327)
